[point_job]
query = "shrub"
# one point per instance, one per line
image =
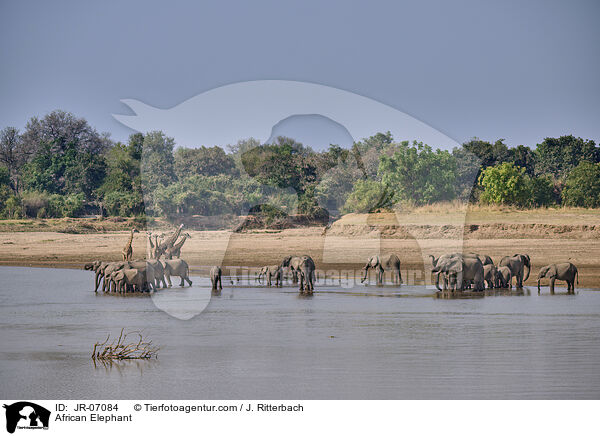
(582, 187)
(542, 191)
(505, 184)
(418, 174)
(368, 196)
(32, 202)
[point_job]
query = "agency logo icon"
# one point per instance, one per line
(26, 415)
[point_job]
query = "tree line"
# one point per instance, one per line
(60, 166)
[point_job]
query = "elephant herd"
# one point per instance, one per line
(460, 271)
(144, 275)
(138, 275)
(301, 267)
(456, 271)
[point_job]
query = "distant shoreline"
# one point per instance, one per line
(548, 237)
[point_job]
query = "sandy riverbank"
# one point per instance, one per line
(548, 237)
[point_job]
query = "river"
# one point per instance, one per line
(269, 343)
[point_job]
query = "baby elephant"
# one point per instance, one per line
(504, 277)
(270, 272)
(490, 275)
(215, 278)
(559, 271)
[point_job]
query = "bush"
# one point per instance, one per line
(32, 203)
(68, 205)
(368, 196)
(505, 184)
(418, 174)
(542, 191)
(121, 203)
(582, 187)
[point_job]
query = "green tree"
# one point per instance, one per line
(582, 187)
(542, 190)
(418, 174)
(157, 163)
(206, 161)
(368, 196)
(68, 155)
(505, 184)
(558, 156)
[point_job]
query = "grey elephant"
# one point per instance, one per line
(484, 258)
(442, 259)
(380, 264)
(159, 273)
(107, 271)
(518, 263)
(215, 278)
(271, 271)
(503, 277)
(304, 266)
(559, 271)
(460, 269)
(179, 268)
(98, 267)
(293, 263)
(138, 280)
(490, 275)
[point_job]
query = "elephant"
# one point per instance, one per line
(460, 269)
(215, 278)
(517, 264)
(271, 271)
(140, 280)
(503, 277)
(159, 273)
(304, 266)
(177, 267)
(559, 271)
(484, 258)
(293, 263)
(98, 267)
(443, 258)
(490, 275)
(107, 271)
(380, 263)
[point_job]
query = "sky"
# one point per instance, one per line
(505, 69)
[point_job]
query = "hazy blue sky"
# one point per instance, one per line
(511, 69)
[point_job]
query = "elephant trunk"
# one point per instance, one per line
(437, 281)
(365, 275)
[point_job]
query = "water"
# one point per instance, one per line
(362, 343)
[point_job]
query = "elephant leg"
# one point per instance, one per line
(168, 278)
(220, 284)
(552, 285)
(294, 276)
(182, 282)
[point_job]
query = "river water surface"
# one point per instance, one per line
(268, 343)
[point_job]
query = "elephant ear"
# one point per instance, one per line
(552, 271)
(456, 266)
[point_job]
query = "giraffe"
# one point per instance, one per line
(150, 246)
(168, 243)
(128, 250)
(175, 250)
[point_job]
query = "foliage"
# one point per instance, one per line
(61, 166)
(368, 196)
(202, 161)
(541, 190)
(418, 174)
(505, 184)
(558, 156)
(582, 187)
